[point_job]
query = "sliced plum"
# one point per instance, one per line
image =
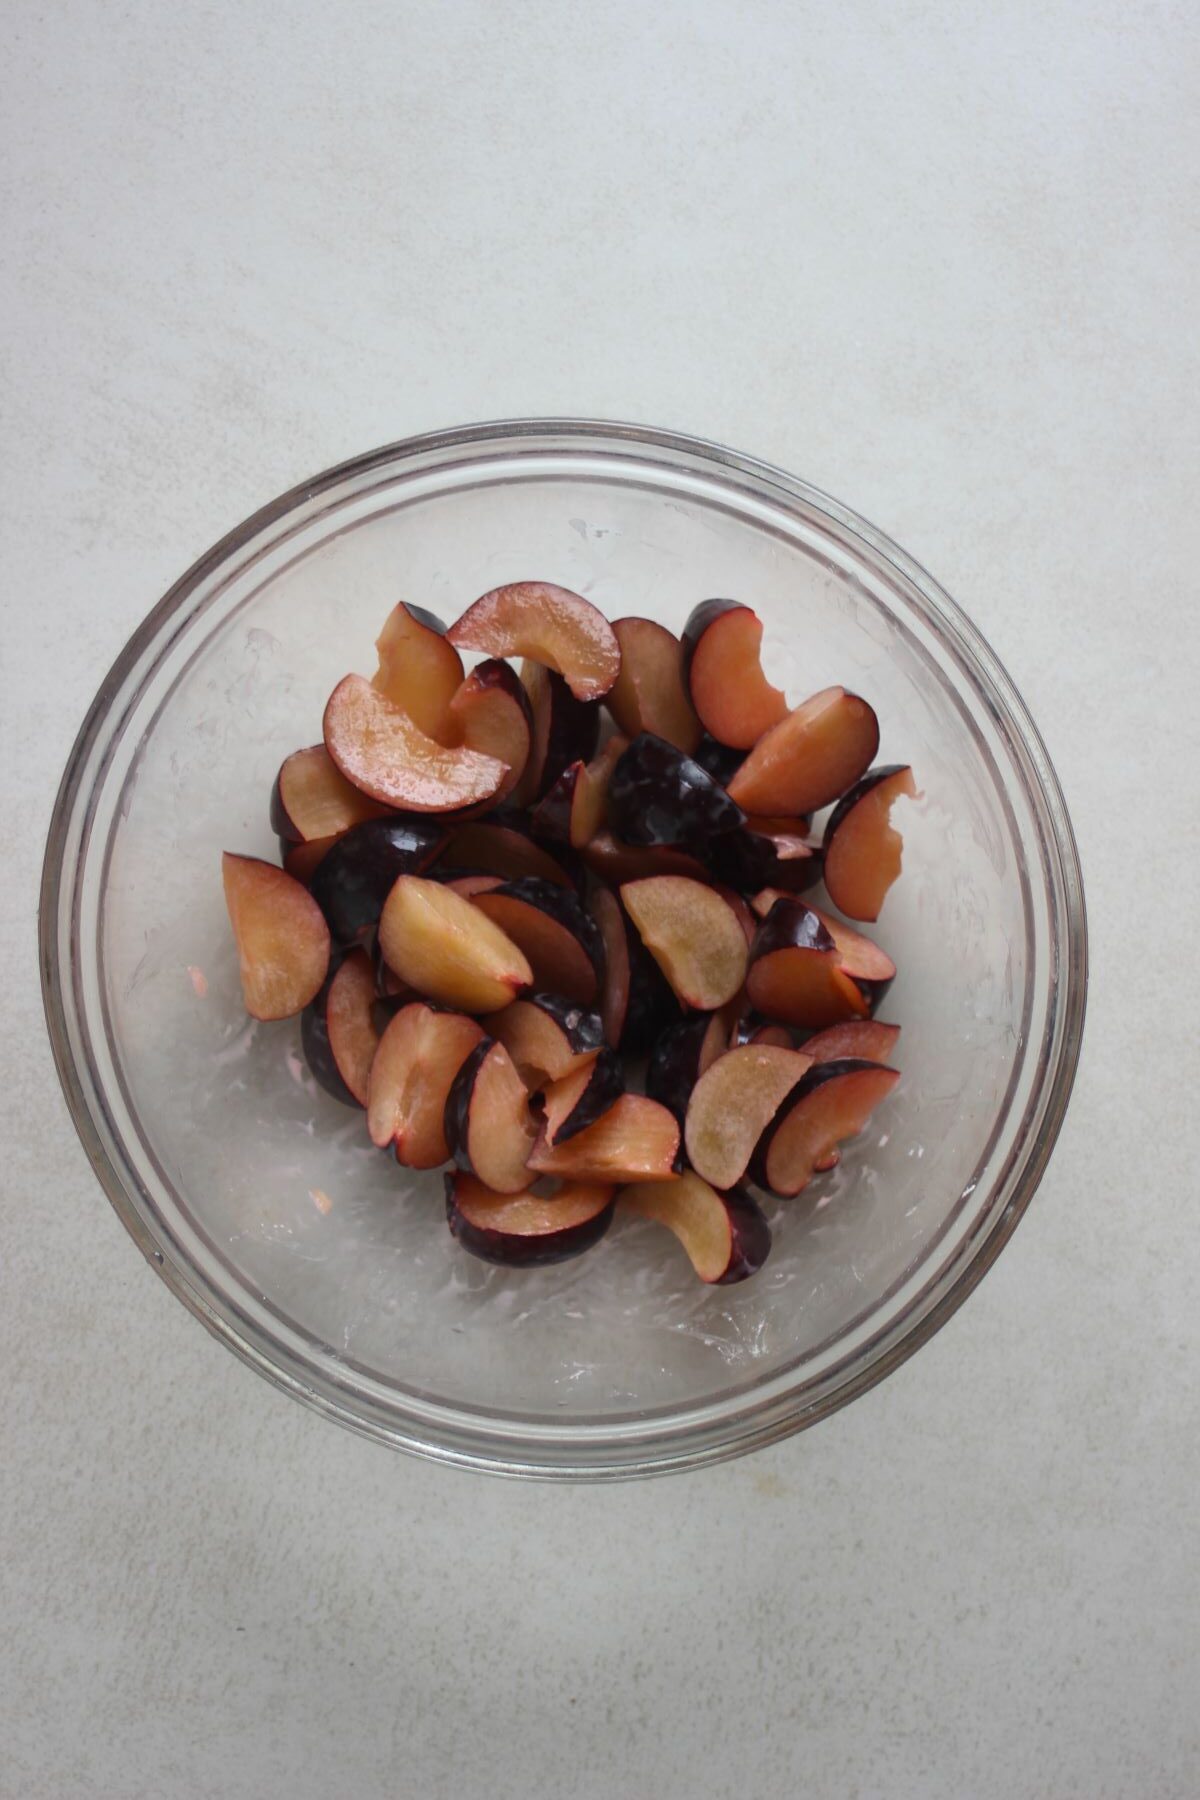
(549, 625)
(302, 860)
(658, 795)
(796, 975)
(810, 758)
(338, 1033)
(491, 713)
(866, 963)
(613, 861)
(732, 1104)
(312, 799)
(649, 693)
(577, 1100)
(419, 1055)
(636, 1002)
(546, 1036)
(282, 939)
(858, 1040)
(565, 730)
(693, 935)
(832, 1103)
(352, 881)
(378, 748)
(722, 644)
(862, 847)
(576, 807)
(526, 1230)
(489, 1127)
(680, 1056)
(448, 949)
(419, 670)
(502, 844)
(726, 1236)
(635, 1140)
(559, 939)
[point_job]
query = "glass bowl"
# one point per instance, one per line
(260, 1201)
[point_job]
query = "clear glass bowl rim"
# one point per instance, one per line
(714, 1433)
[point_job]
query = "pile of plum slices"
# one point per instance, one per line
(583, 974)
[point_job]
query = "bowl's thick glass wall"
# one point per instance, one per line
(259, 1197)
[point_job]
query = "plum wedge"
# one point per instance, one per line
(796, 975)
(565, 730)
(635, 1140)
(613, 861)
(862, 847)
(282, 939)
(549, 625)
(419, 670)
(680, 1056)
(378, 747)
(577, 1100)
(725, 1236)
(450, 951)
(549, 925)
(649, 693)
(658, 795)
(722, 644)
(524, 1230)
(576, 807)
(338, 1033)
(491, 713)
(868, 965)
(489, 1127)
(546, 1036)
(352, 881)
(832, 1103)
(502, 844)
(636, 1000)
(415, 1065)
(733, 1103)
(809, 758)
(859, 1040)
(312, 799)
(693, 935)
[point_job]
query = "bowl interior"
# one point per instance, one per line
(328, 1263)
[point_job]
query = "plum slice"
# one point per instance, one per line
(282, 939)
(658, 795)
(502, 845)
(610, 859)
(635, 1140)
(352, 881)
(680, 1056)
(312, 798)
(725, 1236)
(302, 860)
(576, 807)
(546, 1036)
(489, 1127)
(419, 670)
(860, 1040)
(649, 693)
(636, 1002)
(868, 965)
(448, 949)
(559, 939)
(832, 1103)
(524, 1230)
(796, 975)
(722, 645)
(549, 625)
(338, 1033)
(577, 1100)
(862, 847)
(378, 747)
(693, 935)
(490, 712)
(809, 758)
(565, 730)
(419, 1055)
(732, 1104)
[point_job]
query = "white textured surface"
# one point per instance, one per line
(940, 262)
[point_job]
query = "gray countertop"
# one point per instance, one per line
(940, 261)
